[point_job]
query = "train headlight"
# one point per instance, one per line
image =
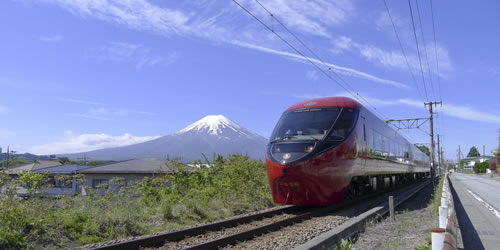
(309, 149)
(287, 156)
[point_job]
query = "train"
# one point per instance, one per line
(326, 150)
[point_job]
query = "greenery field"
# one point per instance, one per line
(168, 201)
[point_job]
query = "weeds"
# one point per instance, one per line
(436, 202)
(345, 245)
(167, 201)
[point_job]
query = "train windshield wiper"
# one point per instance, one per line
(312, 137)
(293, 136)
(282, 138)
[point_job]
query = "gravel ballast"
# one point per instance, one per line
(410, 229)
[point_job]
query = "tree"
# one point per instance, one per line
(473, 152)
(480, 167)
(424, 149)
(63, 160)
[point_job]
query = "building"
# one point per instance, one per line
(469, 162)
(128, 171)
(36, 165)
(63, 181)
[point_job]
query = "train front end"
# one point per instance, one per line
(312, 151)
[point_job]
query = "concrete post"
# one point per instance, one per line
(391, 208)
(437, 238)
(443, 216)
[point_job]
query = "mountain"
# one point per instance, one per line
(213, 133)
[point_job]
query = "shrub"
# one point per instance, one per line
(480, 167)
(179, 198)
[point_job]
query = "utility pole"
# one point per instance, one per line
(439, 154)
(431, 120)
(7, 162)
(499, 141)
(459, 153)
(442, 162)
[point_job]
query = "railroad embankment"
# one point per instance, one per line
(411, 229)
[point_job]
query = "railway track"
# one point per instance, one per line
(243, 229)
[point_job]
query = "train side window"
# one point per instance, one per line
(364, 132)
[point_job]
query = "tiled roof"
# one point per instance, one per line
(131, 166)
(40, 164)
(19, 169)
(63, 169)
(33, 166)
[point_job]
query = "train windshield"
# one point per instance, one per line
(305, 124)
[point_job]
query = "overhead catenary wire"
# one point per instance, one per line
(435, 50)
(418, 51)
(312, 52)
(403, 51)
(425, 50)
(302, 54)
(437, 62)
(428, 64)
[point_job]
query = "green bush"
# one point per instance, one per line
(480, 167)
(167, 201)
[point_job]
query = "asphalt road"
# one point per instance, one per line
(477, 203)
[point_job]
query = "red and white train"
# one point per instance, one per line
(327, 149)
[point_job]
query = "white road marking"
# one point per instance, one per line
(488, 206)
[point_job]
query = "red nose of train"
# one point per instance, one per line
(301, 184)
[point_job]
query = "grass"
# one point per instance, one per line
(436, 201)
(345, 244)
(166, 202)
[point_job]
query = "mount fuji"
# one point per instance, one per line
(211, 134)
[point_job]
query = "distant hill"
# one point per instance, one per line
(213, 133)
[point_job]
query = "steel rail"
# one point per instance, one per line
(304, 214)
(252, 233)
(160, 239)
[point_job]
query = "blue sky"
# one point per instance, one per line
(82, 75)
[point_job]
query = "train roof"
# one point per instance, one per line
(338, 101)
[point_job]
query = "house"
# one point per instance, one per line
(36, 165)
(64, 181)
(470, 161)
(61, 185)
(129, 171)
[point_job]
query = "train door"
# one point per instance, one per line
(364, 150)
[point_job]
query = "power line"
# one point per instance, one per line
(425, 49)
(312, 52)
(301, 54)
(435, 50)
(418, 50)
(402, 50)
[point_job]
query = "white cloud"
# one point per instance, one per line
(214, 21)
(136, 14)
(51, 39)
(462, 112)
(312, 75)
(336, 68)
(311, 17)
(138, 54)
(4, 109)
(395, 59)
(104, 114)
(86, 142)
(93, 117)
(343, 43)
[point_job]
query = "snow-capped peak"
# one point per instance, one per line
(214, 125)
